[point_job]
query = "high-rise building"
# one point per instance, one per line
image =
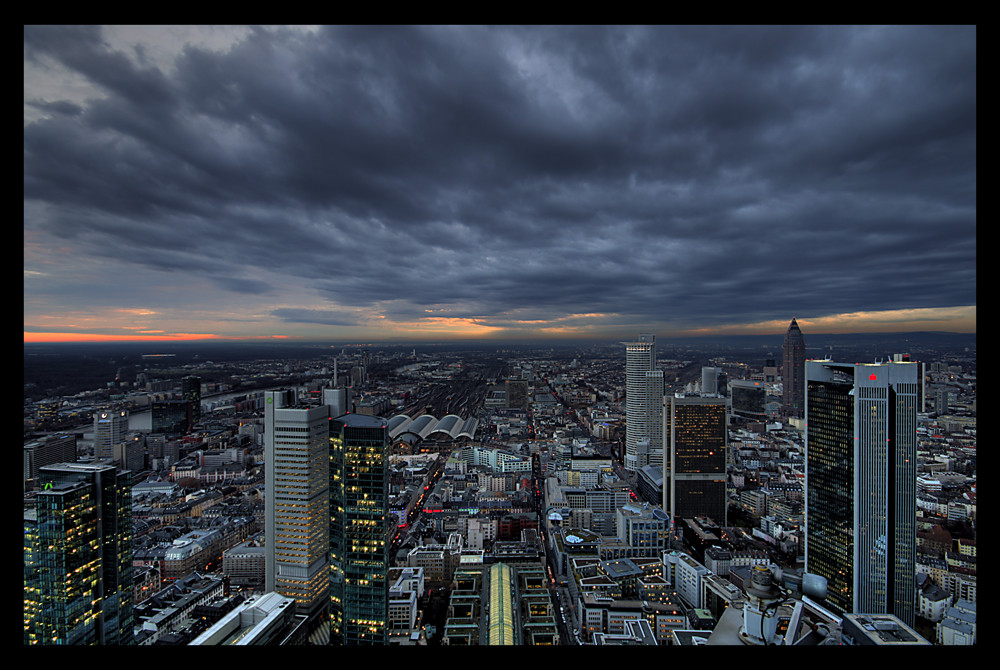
(710, 380)
(770, 370)
(78, 586)
(47, 451)
(338, 400)
(359, 530)
(695, 442)
(749, 399)
(640, 393)
(941, 400)
(922, 378)
(792, 372)
(191, 392)
(650, 447)
(297, 501)
(173, 417)
(860, 484)
(110, 427)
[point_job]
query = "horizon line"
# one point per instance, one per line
(189, 338)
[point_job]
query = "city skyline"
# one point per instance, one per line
(429, 183)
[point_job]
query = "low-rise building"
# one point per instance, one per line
(878, 629)
(958, 627)
(170, 608)
(268, 619)
(244, 563)
(932, 600)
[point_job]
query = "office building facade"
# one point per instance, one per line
(360, 523)
(710, 380)
(793, 372)
(48, 451)
(748, 400)
(297, 501)
(191, 392)
(695, 442)
(171, 417)
(650, 447)
(78, 586)
(860, 485)
(110, 427)
(643, 400)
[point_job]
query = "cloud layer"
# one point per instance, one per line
(580, 180)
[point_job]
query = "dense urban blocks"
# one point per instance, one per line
(297, 514)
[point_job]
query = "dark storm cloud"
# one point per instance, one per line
(59, 107)
(324, 317)
(703, 174)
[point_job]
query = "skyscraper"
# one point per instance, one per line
(191, 392)
(650, 448)
(792, 372)
(861, 456)
(359, 530)
(173, 417)
(695, 442)
(78, 557)
(710, 380)
(642, 401)
(921, 376)
(110, 427)
(297, 500)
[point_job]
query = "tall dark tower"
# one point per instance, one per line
(694, 458)
(359, 530)
(78, 583)
(861, 484)
(793, 372)
(191, 392)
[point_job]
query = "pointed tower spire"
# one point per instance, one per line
(793, 372)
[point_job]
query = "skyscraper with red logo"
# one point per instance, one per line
(860, 484)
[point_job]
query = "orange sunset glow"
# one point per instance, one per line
(92, 337)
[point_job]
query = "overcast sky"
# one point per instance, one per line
(351, 183)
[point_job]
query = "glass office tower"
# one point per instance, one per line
(78, 557)
(191, 392)
(643, 400)
(359, 530)
(861, 453)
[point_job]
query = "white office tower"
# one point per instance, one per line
(641, 391)
(297, 500)
(709, 380)
(860, 486)
(110, 427)
(652, 451)
(338, 400)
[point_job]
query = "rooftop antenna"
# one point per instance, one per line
(760, 615)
